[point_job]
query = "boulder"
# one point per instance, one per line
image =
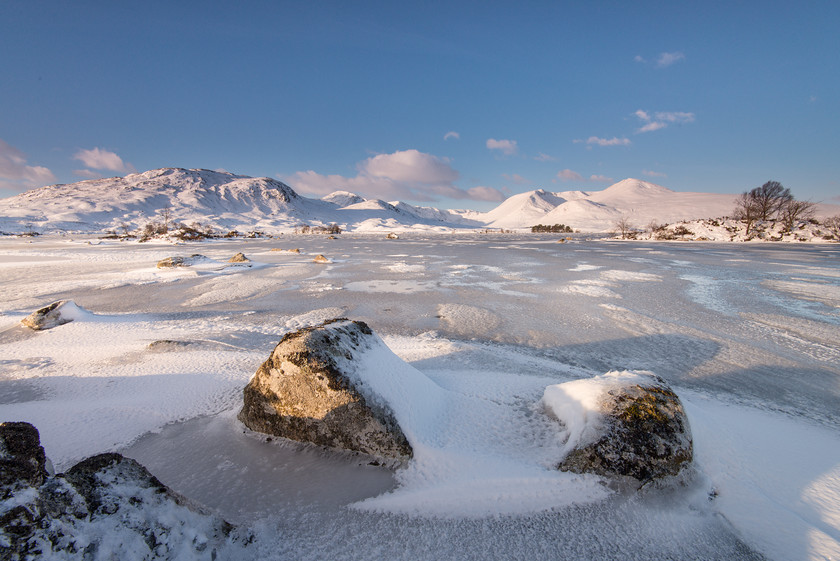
(239, 258)
(622, 424)
(22, 458)
(392, 236)
(307, 391)
(57, 313)
(321, 259)
(107, 506)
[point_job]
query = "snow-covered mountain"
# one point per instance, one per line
(596, 211)
(226, 201)
(218, 199)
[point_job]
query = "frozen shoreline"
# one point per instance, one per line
(745, 333)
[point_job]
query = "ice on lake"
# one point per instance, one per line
(748, 336)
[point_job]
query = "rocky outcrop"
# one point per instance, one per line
(321, 259)
(106, 506)
(623, 423)
(57, 313)
(306, 391)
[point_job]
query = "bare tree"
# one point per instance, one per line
(747, 210)
(166, 217)
(769, 199)
(623, 226)
(832, 223)
(794, 211)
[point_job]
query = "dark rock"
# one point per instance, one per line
(22, 458)
(67, 516)
(304, 392)
(645, 434)
(164, 345)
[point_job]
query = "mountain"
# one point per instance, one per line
(235, 202)
(222, 200)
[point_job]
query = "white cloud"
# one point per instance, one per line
(403, 175)
(675, 117)
(650, 173)
(410, 166)
(451, 134)
(639, 58)
(16, 175)
(569, 175)
(481, 193)
(515, 178)
(667, 59)
(507, 147)
(97, 158)
(661, 119)
(652, 126)
(544, 158)
(614, 141)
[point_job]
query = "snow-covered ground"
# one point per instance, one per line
(748, 335)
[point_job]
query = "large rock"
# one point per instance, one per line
(105, 507)
(305, 391)
(22, 458)
(57, 313)
(622, 423)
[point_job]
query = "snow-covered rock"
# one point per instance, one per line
(622, 423)
(308, 391)
(104, 507)
(53, 315)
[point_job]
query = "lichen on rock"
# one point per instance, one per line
(622, 424)
(305, 391)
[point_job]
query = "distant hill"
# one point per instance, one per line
(226, 201)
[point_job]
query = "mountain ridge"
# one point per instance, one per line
(227, 201)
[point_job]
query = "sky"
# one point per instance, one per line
(450, 104)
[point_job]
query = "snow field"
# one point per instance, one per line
(754, 362)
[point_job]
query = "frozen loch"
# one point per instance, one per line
(153, 361)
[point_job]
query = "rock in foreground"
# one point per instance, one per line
(622, 423)
(105, 507)
(306, 391)
(57, 313)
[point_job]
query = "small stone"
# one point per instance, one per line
(321, 259)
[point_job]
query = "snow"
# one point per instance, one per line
(577, 405)
(474, 332)
(224, 202)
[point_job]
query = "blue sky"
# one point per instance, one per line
(449, 104)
